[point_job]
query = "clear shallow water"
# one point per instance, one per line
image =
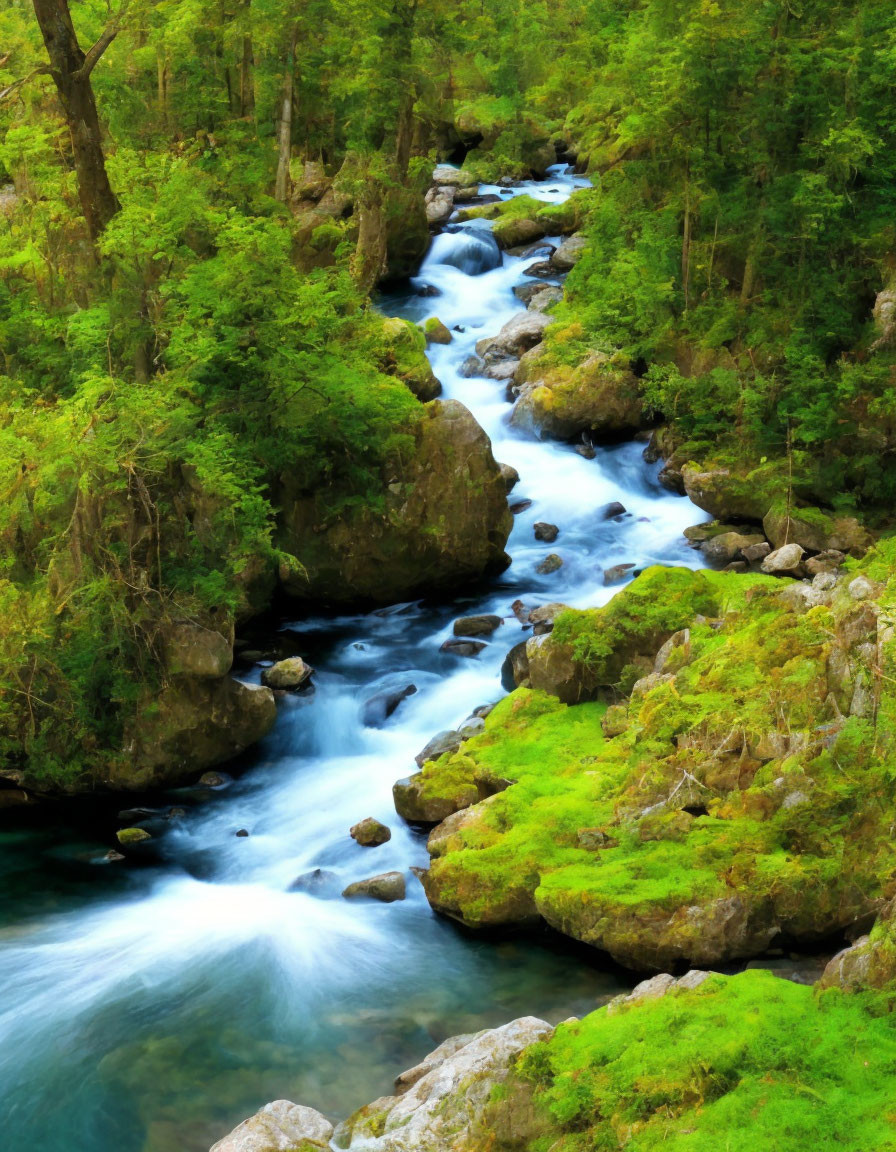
(150, 1009)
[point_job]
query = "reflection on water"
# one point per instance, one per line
(149, 1010)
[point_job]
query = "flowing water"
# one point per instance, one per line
(150, 1009)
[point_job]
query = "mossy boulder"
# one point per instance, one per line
(729, 492)
(439, 519)
(599, 396)
(815, 531)
(742, 797)
(405, 357)
(738, 1063)
(588, 651)
(436, 333)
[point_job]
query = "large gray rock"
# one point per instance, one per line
(517, 336)
(569, 253)
(783, 561)
(279, 1127)
(439, 203)
(442, 1109)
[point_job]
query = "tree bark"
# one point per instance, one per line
(70, 68)
(281, 184)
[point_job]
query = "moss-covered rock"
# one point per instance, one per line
(742, 796)
(737, 1064)
(439, 519)
(405, 357)
(599, 396)
(815, 531)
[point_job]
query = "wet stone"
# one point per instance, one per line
(550, 564)
(617, 573)
(467, 648)
(546, 532)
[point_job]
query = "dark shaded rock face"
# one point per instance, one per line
(443, 521)
(191, 725)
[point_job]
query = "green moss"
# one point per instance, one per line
(741, 1063)
(733, 779)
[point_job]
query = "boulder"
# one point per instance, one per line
(728, 495)
(600, 397)
(784, 561)
(546, 532)
(442, 521)
(191, 650)
(729, 546)
(370, 833)
(318, 882)
(387, 888)
(613, 510)
(510, 476)
(279, 1127)
(287, 674)
(528, 291)
(569, 253)
(439, 203)
(477, 625)
(128, 837)
(380, 707)
(518, 335)
(465, 648)
(816, 531)
(753, 553)
(445, 1102)
(188, 726)
(511, 231)
(549, 565)
(617, 573)
(515, 669)
(436, 332)
(441, 743)
(553, 668)
(404, 348)
(544, 299)
(420, 800)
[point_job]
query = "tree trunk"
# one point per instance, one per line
(247, 92)
(70, 68)
(281, 185)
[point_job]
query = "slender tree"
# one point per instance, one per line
(70, 68)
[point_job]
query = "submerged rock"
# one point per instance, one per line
(466, 648)
(319, 882)
(550, 564)
(279, 1127)
(546, 532)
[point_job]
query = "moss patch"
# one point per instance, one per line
(740, 1063)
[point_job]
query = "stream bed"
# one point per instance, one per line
(149, 1009)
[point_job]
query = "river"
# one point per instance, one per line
(149, 1009)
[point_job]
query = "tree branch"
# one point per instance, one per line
(109, 33)
(43, 70)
